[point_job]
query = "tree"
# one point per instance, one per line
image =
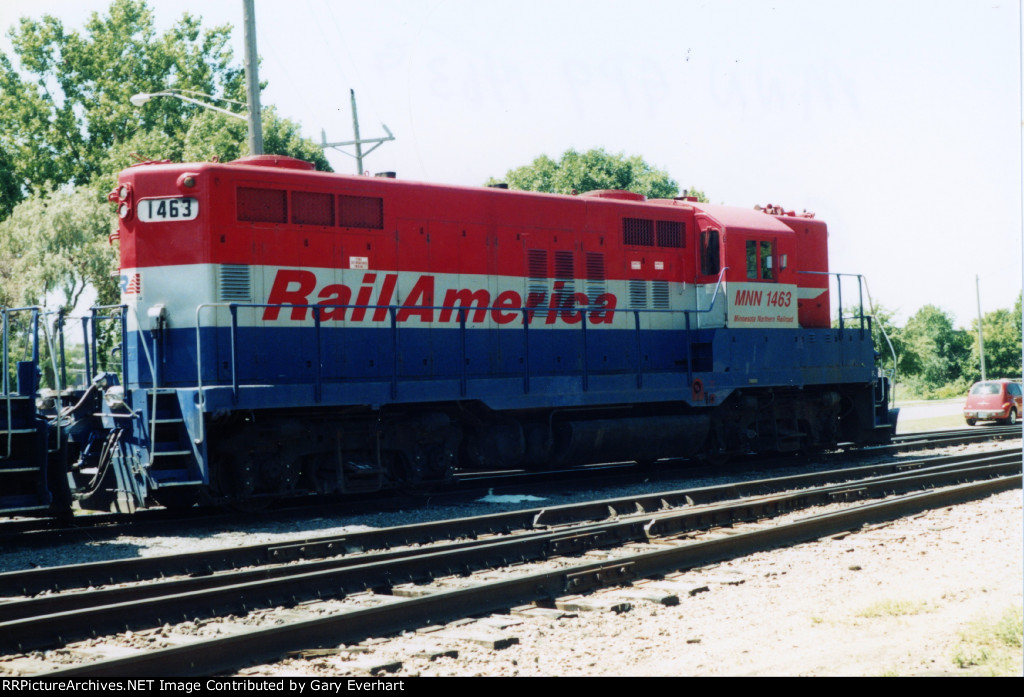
(884, 334)
(593, 169)
(937, 355)
(67, 128)
(68, 104)
(55, 245)
(696, 193)
(1002, 336)
(65, 114)
(10, 192)
(212, 135)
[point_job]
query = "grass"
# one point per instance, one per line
(992, 648)
(935, 423)
(950, 415)
(894, 608)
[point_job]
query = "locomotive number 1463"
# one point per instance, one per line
(159, 209)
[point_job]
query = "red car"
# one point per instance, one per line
(998, 400)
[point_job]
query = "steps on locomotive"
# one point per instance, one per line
(171, 455)
(23, 486)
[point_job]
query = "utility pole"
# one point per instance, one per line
(981, 341)
(252, 79)
(358, 142)
(355, 129)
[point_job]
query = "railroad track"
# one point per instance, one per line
(46, 532)
(362, 593)
(956, 436)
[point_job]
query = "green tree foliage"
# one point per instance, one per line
(1018, 313)
(67, 103)
(67, 127)
(696, 193)
(884, 333)
(55, 245)
(936, 360)
(593, 169)
(65, 114)
(936, 354)
(212, 135)
(10, 192)
(1002, 335)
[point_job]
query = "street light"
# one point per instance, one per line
(143, 97)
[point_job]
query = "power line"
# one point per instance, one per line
(358, 142)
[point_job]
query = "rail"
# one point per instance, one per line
(5, 328)
(56, 364)
(122, 318)
(872, 319)
(151, 357)
(839, 292)
(892, 351)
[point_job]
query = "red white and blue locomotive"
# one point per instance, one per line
(285, 331)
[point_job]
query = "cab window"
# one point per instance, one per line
(760, 260)
(767, 272)
(710, 263)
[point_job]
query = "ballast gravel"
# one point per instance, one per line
(890, 600)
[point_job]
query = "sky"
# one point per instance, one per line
(897, 122)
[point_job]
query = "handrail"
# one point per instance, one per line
(58, 381)
(5, 328)
(892, 350)
(462, 313)
(839, 290)
(122, 317)
(714, 296)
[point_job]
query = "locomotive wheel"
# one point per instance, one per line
(714, 451)
(407, 477)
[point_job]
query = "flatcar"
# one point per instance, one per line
(285, 331)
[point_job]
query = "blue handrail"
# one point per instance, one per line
(462, 312)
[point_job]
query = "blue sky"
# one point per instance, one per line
(898, 123)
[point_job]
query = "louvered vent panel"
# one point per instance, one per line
(637, 294)
(659, 294)
(563, 265)
(595, 276)
(234, 283)
(564, 271)
(537, 285)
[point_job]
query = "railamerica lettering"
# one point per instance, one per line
(300, 289)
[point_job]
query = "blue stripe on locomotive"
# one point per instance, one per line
(504, 368)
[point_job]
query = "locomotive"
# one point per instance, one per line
(288, 331)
